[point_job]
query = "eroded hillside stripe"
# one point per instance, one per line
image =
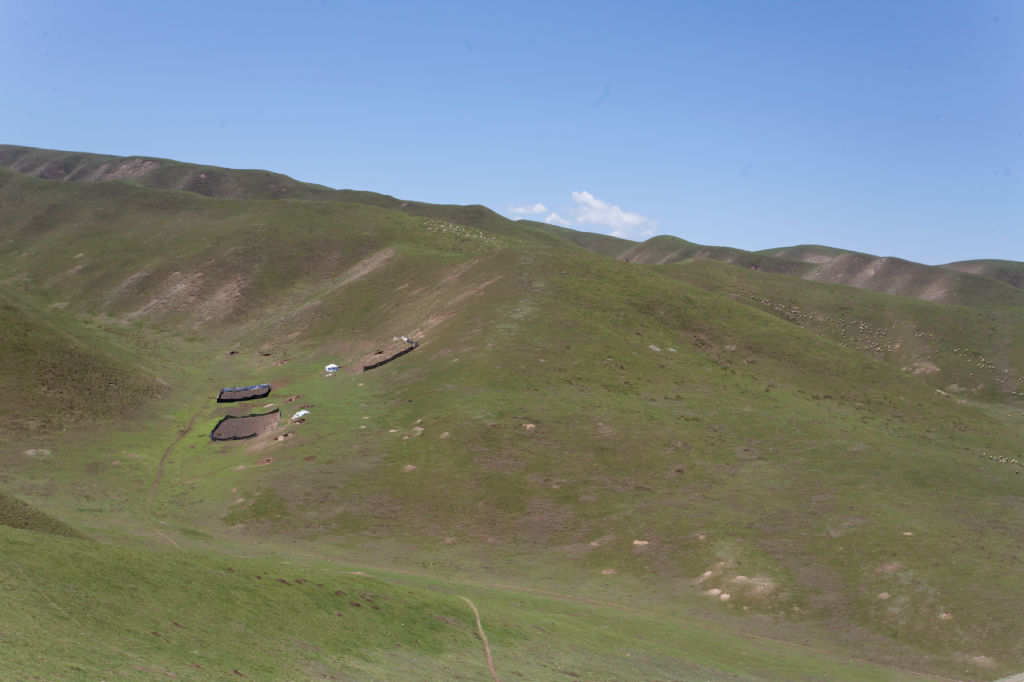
(487, 647)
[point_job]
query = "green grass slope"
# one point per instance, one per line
(666, 249)
(603, 244)
(56, 374)
(67, 166)
(707, 443)
(680, 450)
(16, 514)
(152, 613)
(964, 351)
(807, 253)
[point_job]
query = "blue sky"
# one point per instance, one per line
(894, 128)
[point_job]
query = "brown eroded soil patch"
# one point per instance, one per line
(364, 267)
(475, 290)
(924, 367)
(459, 270)
(392, 350)
(126, 169)
(133, 280)
(889, 275)
(184, 291)
(367, 265)
(890, 567)
(223, 301)
(177, 292)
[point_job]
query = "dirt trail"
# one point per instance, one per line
(160, 467)
(165, 536)
(487, 647)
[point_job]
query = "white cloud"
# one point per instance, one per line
(555, 219)
(593, 211)
(529, 210)
(590, 210)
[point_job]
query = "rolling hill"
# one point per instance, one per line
(640, 461)
(968, 283)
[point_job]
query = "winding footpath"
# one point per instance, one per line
(159, 475)
(487, 647)
(163, 458)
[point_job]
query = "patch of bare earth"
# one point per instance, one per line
(458, 270)
(459, 298)
(178, 292)
(364, 267)
(367, 265)
(131, 281)
(125, 170)
(986, 662)
(223, 301)
(888, 568)
(392, 350)
(937, 291)
(922, 367)
(890, 275)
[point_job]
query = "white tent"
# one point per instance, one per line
(331, 368)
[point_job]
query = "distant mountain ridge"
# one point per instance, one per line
(967, 283)
(964, 282)
(217, 182)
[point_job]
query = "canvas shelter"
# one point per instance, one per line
(230, 395)
(250, 426)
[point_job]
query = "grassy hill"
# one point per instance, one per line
(604, 244)
(965, 351)
(956, 283)
(157, 612)
(968, 282)
(1010, 272)
(158, 173)
(730, 460)
(897, 276)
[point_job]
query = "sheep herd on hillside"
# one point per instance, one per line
(863, 336)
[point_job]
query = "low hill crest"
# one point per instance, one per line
(967, 282)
